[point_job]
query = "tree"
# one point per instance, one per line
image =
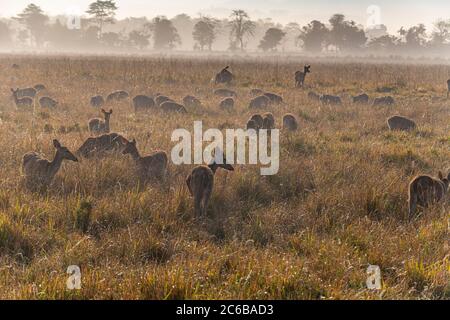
(313, 36)
(34, 19)
(205, 32)
(102, 12)
(414, 37)
(271, 39)
(241, 27)
(139, 39)
(165, 35)
(383, 43)
(345, 34)
(441, 33)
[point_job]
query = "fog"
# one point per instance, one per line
(281, 27)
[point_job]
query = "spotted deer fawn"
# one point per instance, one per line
(39, 172)
(300, 76)
(200, 184)
(425, 190)
(99, 126)
(21, 103)
(149, 167)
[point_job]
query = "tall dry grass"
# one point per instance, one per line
(338, 203)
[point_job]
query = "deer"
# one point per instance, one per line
(21, 103)
(117, 96)
(99, 126)
(425, 190)
(101, 146)
(97, 101)
(148, 167)
(290, 122)
(400, 123)
(39, 172)
(224, 76)
(201, 182)
(143, 103)
(300, 76)
(47, 102)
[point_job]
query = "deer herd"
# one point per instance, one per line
(39, 172)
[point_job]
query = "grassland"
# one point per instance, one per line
(338, 203)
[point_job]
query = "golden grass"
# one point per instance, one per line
(337, 205)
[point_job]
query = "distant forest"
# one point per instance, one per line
(97, 30)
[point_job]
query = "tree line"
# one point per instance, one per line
(98, 29)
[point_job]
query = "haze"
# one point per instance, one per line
(283, 11)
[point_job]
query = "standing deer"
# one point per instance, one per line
(99, 126)
(200, 184)
(149, 167)
(39, 172)
(425, 190)
(300, 76)
(21, 103)
(224, 76)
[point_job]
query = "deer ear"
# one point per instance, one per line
(110, 111)
(103, 110)
(440, 175)
(133, 141)
(56, 144)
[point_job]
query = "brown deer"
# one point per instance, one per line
(290, 122)
(39, 172)
(99, 126)
(300, 76)
(21, 103)
(149, 167)
(200, 184)
(101, 146)
(425, 190)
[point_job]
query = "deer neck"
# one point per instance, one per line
(55, 165)
(16, 100)
(107, 123)
(135, 154)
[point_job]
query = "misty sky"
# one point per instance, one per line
(394, 15)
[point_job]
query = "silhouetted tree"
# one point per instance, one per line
(414, 37)
(441, 33)
(165, 35)
(102, 12)
(384, 43)
(313, 36)
(139, 39)
(241, 27)
(345, 35)
(271, 39)
(34, 19)
(205, 32)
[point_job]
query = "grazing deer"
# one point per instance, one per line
(47, 102)
(170, 106)
(258, 119)
(425, 190)
(227, 104)
(259, 102)
(39, 172)
(97, 101)
(160, 99)
(300, 76)
(225, 93)
(274, 98)
(192, 102)
(224, 76)
(102, 145)
(143, 103)
(401, 123)
(117, 96)
(362, 98)
(149, 167)
(330, 99)
(383, 101)
(99, 126)
(290, 122)
(200, 184)
(21, 103)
